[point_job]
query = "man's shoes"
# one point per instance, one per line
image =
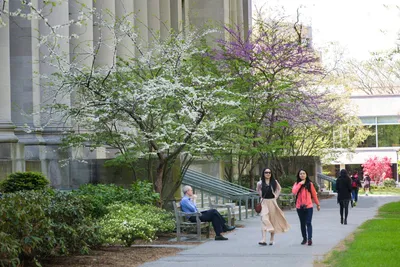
(262, 243)
(345, 221)
(309, 242)
(341, 220)
(220, 237)
(304, 242)
(229, 228)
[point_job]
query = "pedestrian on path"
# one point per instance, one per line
(355, 186)
(367, 183)
(305, 192)
(344, 188)
(272, 218)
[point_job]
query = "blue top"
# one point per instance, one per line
(187, 205)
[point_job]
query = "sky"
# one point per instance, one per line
(358, 26)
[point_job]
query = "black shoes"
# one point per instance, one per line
(345, 221)
(262, 243)
(309, 242)
(341, 220)
(220, 237)
(228, 228)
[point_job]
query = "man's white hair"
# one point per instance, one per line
(186, 188)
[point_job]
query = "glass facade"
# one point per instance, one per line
(386, 131)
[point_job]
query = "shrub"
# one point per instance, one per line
(9, 250)
(286, 190)
(35, 224)
(23, 218)
(143, 193)
(101, 195)
(126, 223)
(287, 180)
(18, 181)
(389, 182)
(74, 229)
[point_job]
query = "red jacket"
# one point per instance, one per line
(304, 197)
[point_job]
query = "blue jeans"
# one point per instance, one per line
(305, 216)
(354, 194)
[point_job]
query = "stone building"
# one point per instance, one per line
(21, 94)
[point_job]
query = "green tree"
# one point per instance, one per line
(287, 110)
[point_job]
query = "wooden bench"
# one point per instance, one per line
(183, 223)
(230, 213)
(286, 200)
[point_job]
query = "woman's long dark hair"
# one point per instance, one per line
(307, 184)
(344, 174)
(272, 180)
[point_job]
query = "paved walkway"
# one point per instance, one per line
(242, 248)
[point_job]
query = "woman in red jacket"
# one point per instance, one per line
(305, 192)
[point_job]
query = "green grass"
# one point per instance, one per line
(375, 243)
(382, 191)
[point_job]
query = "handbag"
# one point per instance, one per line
(258, 207)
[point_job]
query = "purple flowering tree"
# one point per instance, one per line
(285, 110)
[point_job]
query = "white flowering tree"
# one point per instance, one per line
(163, 103)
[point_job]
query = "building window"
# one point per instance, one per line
(386, 129)
(371, 140)
(388, 135)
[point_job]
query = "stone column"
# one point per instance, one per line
(233, 8)
(318, 169)
(153, 18)
(104, 38)
(165, 18)
(11, 152)
(125, 11)
(82, 47)
(52, 126)
(6, 126)
(247, 17)
(141, 20)
(176, 15)
(239, 16)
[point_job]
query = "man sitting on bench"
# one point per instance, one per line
(188, 204)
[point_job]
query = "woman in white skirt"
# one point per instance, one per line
(272, 218)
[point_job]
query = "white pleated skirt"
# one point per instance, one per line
(272, 217)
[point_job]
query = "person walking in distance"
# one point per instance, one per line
(355, 185)
(367, 183)
(272, 218)
(343, 187)
(305, 193)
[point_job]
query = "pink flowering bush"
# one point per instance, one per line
(378, 168)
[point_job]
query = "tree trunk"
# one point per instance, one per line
(159, 179)
(251, 179)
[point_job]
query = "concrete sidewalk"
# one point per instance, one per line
(242, 248)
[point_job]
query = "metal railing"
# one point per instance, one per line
(326, 177)
(220, 188)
